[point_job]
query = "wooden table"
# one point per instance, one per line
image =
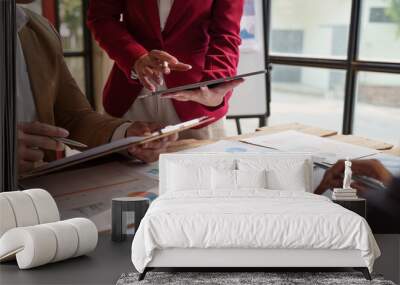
(352, 139)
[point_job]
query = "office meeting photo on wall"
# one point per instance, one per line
(199, 142)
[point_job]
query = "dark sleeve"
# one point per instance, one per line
(395, 189)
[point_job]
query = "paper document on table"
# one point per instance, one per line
(323, 149)
(87, 192)
(228, 147)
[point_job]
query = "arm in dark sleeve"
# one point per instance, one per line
(394, 189)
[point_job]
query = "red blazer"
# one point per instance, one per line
(202, 33)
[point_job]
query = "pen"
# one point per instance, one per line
(70, 142)
(165, 66)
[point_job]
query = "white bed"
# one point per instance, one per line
(209, 226)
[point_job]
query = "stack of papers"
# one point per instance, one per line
(344, 194)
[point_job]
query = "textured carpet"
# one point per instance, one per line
(236, 278)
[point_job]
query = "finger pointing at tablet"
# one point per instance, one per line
(150, 67)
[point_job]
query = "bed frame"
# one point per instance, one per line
(242, 259)
(260, 259)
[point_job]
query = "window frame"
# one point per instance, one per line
(53, 14)
(352, 65)
(8, 120)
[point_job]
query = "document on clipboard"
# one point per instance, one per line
(209, 83)
(113, 147)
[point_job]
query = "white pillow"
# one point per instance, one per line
(251, 178)
(183, 177)
(223, 179)
(281, 173)
(226, 179)
(290, 180)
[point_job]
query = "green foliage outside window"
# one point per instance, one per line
(393, 11)
(71, 22)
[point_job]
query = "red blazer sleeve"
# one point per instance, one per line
(104, 22)
(223, 53)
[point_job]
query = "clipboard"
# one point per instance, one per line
(113, 147)
(209, 83)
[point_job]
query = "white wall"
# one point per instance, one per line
(250, 97)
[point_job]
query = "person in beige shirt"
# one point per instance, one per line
(50, 103)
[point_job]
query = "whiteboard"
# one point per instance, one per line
(250, 97)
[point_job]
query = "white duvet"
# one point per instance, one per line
(250, 219)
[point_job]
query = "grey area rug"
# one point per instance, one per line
(236, 278)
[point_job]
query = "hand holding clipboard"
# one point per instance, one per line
(114, 146)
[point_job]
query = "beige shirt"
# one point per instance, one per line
(164, 8)
(151, 109)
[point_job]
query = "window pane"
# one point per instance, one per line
(311, 96)
(377, 113)
(310, 28)
(76, 66)
(71, 24)
(380, 30)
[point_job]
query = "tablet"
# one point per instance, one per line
(209, 83)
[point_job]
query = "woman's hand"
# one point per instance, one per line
(211, 97)
(151, 66)
(372, 168)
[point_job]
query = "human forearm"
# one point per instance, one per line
(92, 129)
(73, 112)
(223, 53)
(333, 177)
(394, 189)
(112, 35)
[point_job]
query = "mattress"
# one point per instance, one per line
(250, 219)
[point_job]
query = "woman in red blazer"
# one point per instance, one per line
(147, 39)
